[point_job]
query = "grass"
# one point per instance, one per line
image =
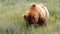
(12, 22)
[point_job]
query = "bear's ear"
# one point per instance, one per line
(25, 16)
(32, 5)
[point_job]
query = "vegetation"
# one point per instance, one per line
(12, 22)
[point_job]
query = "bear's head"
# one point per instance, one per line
(30, 18)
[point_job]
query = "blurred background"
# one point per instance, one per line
(12, 22)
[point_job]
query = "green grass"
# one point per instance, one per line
(12, 22)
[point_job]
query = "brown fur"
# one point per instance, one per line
(33, 16)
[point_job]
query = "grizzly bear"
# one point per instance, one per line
(36, 15)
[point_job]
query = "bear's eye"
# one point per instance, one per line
(33, 17)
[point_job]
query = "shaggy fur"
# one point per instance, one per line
(36, 14)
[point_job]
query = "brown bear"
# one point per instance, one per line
(36, 15)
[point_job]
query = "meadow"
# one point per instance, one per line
(12, 21)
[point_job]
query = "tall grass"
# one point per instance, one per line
(12, 21)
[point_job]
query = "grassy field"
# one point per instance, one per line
(12, 22)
